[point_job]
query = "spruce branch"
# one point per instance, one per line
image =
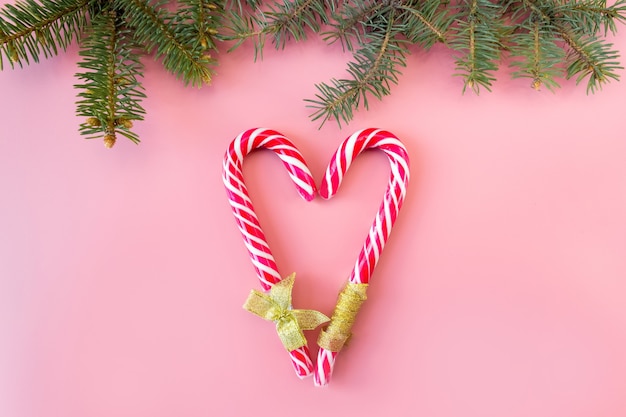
(28, 29)
(198, 22)
(590, 16)
(543, 41)
(590, 58)
(539, 36)
(245, 26)
(374, 69)
(427, 23)
(291, 19)
(111, 93)
(536, 54)
(280, 21)
(155, 29)
(587, 56)
(478, 39)
(113, 35)
(241, 5)
(352, 21)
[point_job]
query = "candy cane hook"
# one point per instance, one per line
(378, 235)
(246, 218)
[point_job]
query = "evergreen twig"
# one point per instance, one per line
(113, 34)
(111, 93)
(281, 21)
(577, 24)
(154, 28)
(478, 40)
(198, 22)
(28, 29)
(544, 40)
(350, 22)
(374, 69)
(427, 23)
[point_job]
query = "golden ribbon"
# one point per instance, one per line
(337, 333)
(276, 306)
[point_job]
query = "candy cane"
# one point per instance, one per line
(246, 218)
(352, 147)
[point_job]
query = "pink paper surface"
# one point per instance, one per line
(502, 291)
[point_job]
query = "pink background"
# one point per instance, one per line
(501, 292)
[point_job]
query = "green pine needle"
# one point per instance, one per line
(536, 53)
(427, 23)
(111, 93)
(591, 58)
(478, 40)
(350, 22)
(374, 68)
(29, 29)
(113, 36)
(154, 28)
(198, 22)
(280, 21)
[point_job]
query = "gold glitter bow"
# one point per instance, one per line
(276, 306)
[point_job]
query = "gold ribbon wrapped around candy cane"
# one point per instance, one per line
(276, 306)
(339, 331)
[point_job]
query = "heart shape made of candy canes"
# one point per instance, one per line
(276, 305)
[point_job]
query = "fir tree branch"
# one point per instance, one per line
(242, 27)
(28, 28)
(589, 16)
(111, 93)
(539, 53)
(241, 5)
(374, 69)
(478, 39)
(588, 57)
(199, 21)
(352, 21)
(283, 21)
(547, 40)
(152, 27)
(427, 23)
(535, 47)
(291, 18)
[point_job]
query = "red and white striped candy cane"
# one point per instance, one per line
(352, 147)
(246, 218)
